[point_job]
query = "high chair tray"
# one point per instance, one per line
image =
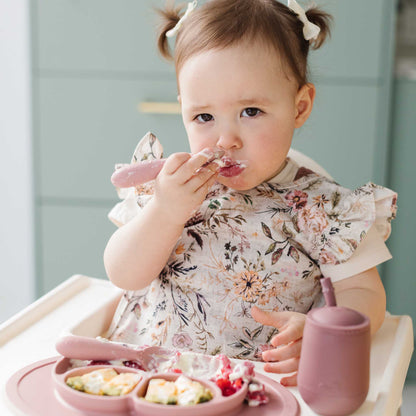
(85, 304)
(32, 392)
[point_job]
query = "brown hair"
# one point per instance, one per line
(221, 23)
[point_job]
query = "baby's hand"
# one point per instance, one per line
(285, 357)
(183, 183)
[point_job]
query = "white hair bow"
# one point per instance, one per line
(310, 30)
(172, 32)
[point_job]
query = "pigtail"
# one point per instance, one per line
(323, 20)
(169, 17)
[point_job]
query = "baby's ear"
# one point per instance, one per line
(304, 103)
(179, 99)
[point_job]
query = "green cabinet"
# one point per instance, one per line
(343, 123)
(88, 125)
(359, 43)
(400, 281)
(109, 38)
(73, 236)
(95, 61)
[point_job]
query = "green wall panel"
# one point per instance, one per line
(340, 133)
(97, 35)
(73, 239)
(355, 49)
(400, 279)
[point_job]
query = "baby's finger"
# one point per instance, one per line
(213, 166)
(204, 172)
(284, 352)
(174, 162)
(199, 180)
(287, 366)
(290, 334)
(185, 166)
(290, 381)
(269, 318)
(197, 161)
(208, 183)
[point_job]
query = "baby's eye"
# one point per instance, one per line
(251, 112)
(204, 118)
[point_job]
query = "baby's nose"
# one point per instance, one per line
(229, 140)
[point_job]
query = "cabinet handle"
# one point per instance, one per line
(159, 107)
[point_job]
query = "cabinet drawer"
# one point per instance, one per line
(97, 35)
(104, 35)
(341, 132)
(73, 239)
(88, 125)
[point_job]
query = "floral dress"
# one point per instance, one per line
(267, 246)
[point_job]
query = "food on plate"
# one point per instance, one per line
(121, 384)
(229, 376)
(183, 391)
(119, 363)
(104, 382)
(256, 394)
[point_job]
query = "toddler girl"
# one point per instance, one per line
(226, 257)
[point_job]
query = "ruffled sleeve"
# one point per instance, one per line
(332, 221)
(135, 198)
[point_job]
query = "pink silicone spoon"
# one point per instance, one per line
(84, 348)
(137, 173)
(142, 172)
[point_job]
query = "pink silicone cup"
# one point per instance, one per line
(90, 403)
(334, 366)
(217, 406)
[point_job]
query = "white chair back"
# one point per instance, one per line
(307, 162)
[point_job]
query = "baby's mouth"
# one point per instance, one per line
(230, 167)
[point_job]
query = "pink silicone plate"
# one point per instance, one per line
(40, 390)
(133, 403)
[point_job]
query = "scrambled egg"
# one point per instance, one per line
(105, 381)
(183, 392)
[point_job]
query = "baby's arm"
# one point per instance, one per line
(137, 252)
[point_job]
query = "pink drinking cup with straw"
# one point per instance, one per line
(334, 367)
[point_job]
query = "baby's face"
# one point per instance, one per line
(240, 100)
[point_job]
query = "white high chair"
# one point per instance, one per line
(307, 162)
(85, 306)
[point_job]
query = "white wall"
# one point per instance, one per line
(17, 272)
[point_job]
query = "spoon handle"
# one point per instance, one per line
(142, 172)
(84, 348)
(137, 173)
